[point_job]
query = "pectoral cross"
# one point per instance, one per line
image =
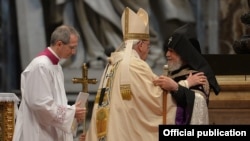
(84, 81)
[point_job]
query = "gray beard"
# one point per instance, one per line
(172, 66)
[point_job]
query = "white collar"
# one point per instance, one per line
(51, 50)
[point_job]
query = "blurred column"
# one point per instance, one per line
(30, 29)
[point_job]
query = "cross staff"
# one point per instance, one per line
(164, 100)
(84, 81)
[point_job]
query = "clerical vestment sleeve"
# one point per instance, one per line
(146, 94)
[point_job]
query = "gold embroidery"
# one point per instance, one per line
(126, 92)
(97, 97)
(102, 114)
(101, 121)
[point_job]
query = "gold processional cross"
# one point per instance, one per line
(84, 81)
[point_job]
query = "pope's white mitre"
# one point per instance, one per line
(135, 25)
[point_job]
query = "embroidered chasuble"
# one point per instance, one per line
(128, 117)
(128, 107)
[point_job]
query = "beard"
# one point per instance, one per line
(174, 65)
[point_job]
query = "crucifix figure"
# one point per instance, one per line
(84, 81)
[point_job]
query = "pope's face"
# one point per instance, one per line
(145, 46)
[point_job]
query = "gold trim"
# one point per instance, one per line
(126, 20)
(102, 121)
(140, 36)
(97, 97)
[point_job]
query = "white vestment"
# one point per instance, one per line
(120, 118)
(44, 114)
(200, 110)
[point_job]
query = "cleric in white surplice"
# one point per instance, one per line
(44, 114)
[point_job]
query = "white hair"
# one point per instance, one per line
(123, 44)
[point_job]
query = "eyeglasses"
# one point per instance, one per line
(70, 47)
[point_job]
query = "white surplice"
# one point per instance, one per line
(44, 114)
